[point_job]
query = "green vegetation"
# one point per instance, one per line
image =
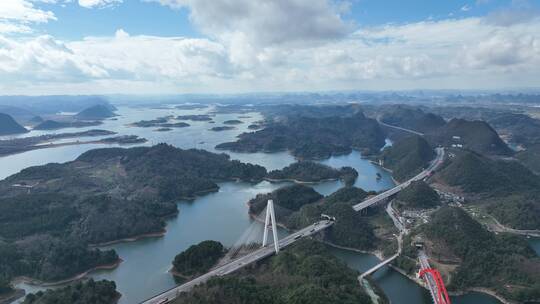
(298, 206)
(5, 286)
(521, 128)
(198, 259)
(350, 230)
(88, 292)
(8, 125)
(304, 273)
(407, 157)
(418, 195)
(411, 118)
(49, 214)
(222, 128)
(530, 157)
(474, 173)
(202, 117)
(50, 258)
(500, 262)
(233, 122)
(349, 195)
(307, 171)
(96, 112)
(161, 122)
(477, 136)
(507, 189)
(22, 144)
(313, 138)
(290, 198)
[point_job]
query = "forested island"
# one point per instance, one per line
(304, 273)
(197, 259)
(312, 137)
(96, 112)
(312, 172)
(87, 292)
(50, 214)
(222, 128)
(200, 117)
(476, 258)
(23, 144)
(233, 122)
(161, 122)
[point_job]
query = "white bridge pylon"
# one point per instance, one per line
(270, 218)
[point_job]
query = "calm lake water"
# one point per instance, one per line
(218, 216)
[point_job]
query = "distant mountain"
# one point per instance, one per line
(475, 135)
(36, 120)
(313, 137)
(95, 112)
(411, 118)
(50, 125)
(9, 126)
(40, 105)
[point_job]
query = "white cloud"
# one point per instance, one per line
(270, 22)
(257, 49)
(465, 8)
(23, 11)
(98, 3)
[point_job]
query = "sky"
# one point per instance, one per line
(238, 46)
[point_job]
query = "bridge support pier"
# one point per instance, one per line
(270, 218)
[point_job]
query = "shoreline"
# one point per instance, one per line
(39, 283)
(292, 180)
(131, 239)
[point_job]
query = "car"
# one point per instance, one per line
(164, 301)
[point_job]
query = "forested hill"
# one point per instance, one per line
(9, 126)
(307, 171)
(407, 157)
(96, 112)
(411, 118)
(304, 273)
(475, 135)
(507, 189)
(475, 173)
(500, 262)
(104, 195)
(313, 137)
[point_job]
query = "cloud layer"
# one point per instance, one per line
(278, 45)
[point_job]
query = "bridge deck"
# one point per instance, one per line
(239, 263)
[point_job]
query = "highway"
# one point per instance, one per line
(382, 196)
(431, 285)
(402, 231)
(239, 263)
(400, 128)
(264, 252)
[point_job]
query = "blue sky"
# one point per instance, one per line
(151, 18)
(214, 46)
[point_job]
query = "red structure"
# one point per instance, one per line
(442, 295)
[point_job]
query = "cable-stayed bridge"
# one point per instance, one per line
(235, 259)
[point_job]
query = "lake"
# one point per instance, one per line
(221, 216)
